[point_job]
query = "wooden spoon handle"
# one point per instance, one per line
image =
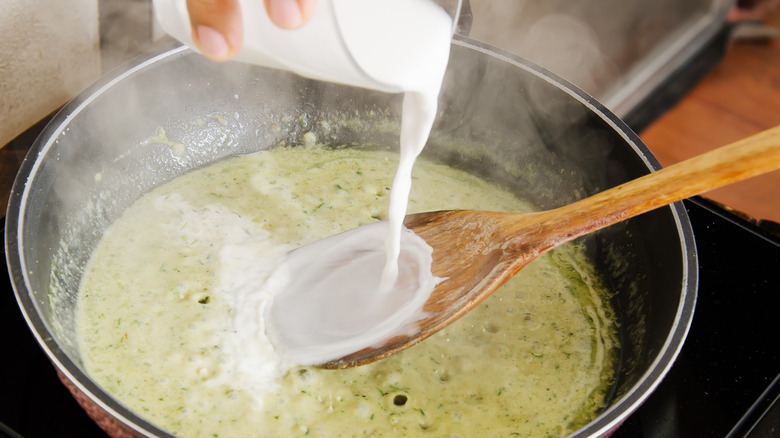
(737, 161)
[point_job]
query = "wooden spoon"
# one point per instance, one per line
(478, 251)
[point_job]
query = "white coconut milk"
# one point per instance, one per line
(389, 45)
(354, 298)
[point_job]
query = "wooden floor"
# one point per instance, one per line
(738, 98)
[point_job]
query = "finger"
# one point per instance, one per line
(217, 28)
(290, 14)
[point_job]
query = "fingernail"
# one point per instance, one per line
(285, 13)
(212, 43)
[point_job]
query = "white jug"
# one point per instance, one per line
(365, 43)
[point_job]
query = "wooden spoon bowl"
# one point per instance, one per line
(478, 251)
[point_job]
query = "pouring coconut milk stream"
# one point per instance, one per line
(345, 293)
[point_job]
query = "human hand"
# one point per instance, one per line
(217, 27)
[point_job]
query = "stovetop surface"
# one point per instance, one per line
(725, 382)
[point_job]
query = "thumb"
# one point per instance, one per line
(217, 27)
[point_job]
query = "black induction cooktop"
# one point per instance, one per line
(726, 381)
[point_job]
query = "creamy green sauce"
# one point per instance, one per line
(535, 359)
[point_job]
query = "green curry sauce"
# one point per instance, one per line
(535, 359)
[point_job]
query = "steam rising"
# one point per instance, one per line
(554, 34)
